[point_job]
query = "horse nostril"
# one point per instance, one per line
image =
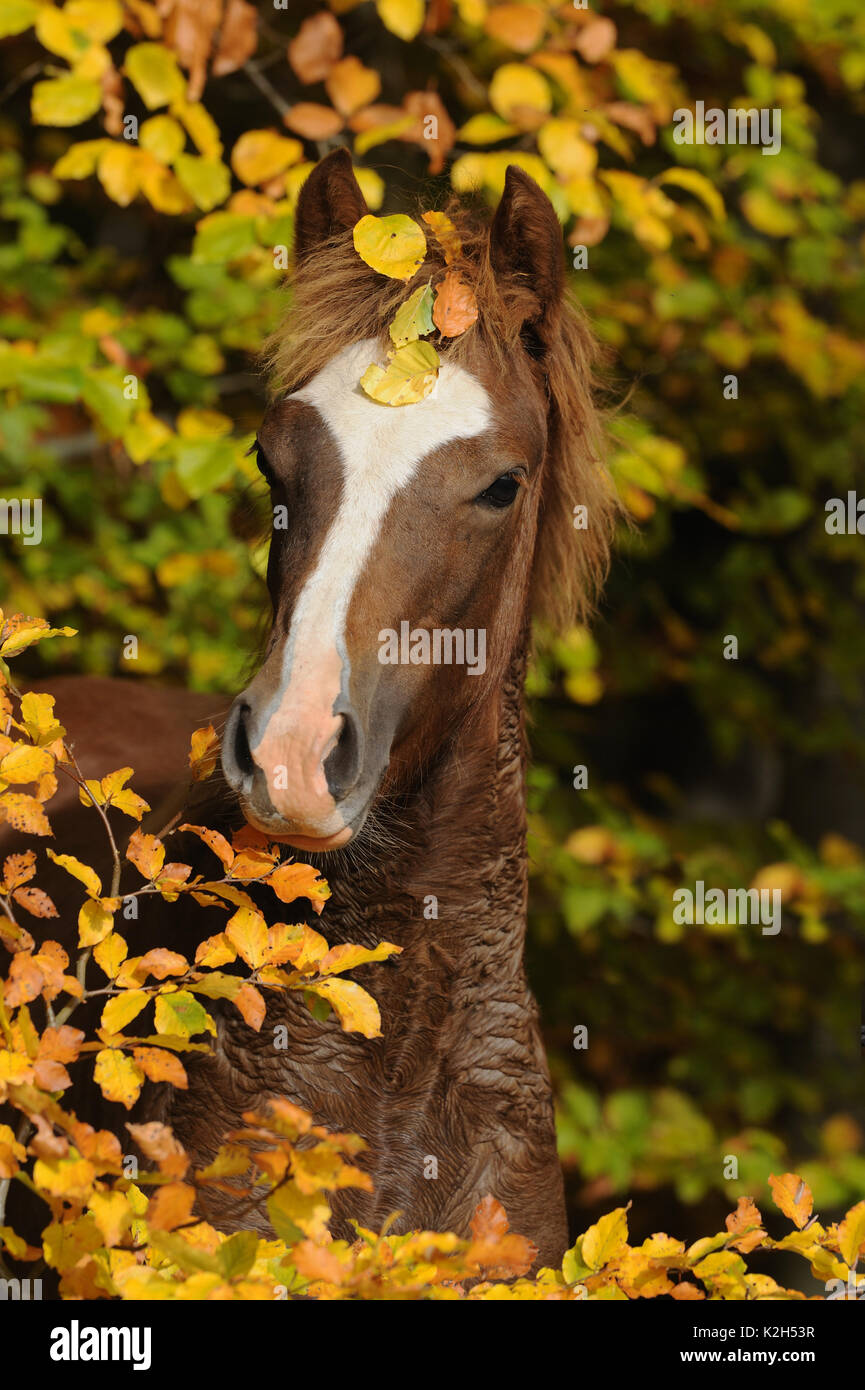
(242, 754)
(342, 765)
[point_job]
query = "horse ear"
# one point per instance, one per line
(526, 255)
(330, 202)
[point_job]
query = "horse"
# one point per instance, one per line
(404, 779)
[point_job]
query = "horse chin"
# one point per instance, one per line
(281, 834)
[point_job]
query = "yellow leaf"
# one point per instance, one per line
(413, 318)
(793, 1197)
(394, 246)
(82, 872)
(25, 764)
(346, 957)
(16, 16)
(95, 922)
(566, 151)
(65, 101)
(603, 1241)
(851, 1233)
(699, 185)
(200, 127)
(117, 1077)
(207, 181)
(445, 234)
(520, 94)
(80, 160)
(113, 1215)
(119, 172)
(409, 376)
(357, 1011)
(247, 932)
(37, 715)
(260, 155)
(122, 1009)
(163, 137)
(154, 72)
(203, 752)
(110, 953)
(402, 17)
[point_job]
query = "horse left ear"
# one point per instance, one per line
(330, 202)
(526, 255)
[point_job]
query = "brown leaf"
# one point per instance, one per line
(596, 39)
(313, 121)
(189, 30)
(455, 308)
(316, 47)
(238, 38)
(432, 116)
(18, 869)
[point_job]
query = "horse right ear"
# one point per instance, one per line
(330, 202)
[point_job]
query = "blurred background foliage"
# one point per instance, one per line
(157, 260)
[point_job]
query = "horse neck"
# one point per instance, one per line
(455, 847)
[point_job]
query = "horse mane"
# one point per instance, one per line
(336, 300)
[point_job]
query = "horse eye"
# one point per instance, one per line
(502, 492)
(262, 463)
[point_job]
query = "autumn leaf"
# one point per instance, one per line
(161, 963)
(24, 813)
(793, 1197)
(745, 1222)
(413, 318)
(158, 1143)
(146, 853)
(346, 957)
(350, 85)
(394, 246)
(455, 307)
(496, 1250)
(251, 1005)
(153, 71)
(170, 1206)
(121, 1009)
(238, 37)
(180, 1013)
(409, 376)
(851, 1234)
(402, 17)
(82, 872)
(445, 234)
(260, 155)
(34, 901)
(212, 838)
(316, 47)
(113, 1215)
(159, 1065)
(357, 1011)
(203, 752)
(607, 1239)
(247, 932)
(118, 1077)
(292, 881)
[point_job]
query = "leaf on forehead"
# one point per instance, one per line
(456, 308)
(394, 246)
(414, 318)
(409, 376)
(445, 234)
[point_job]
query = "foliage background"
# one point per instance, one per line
(704, 1041)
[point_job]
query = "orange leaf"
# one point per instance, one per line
(146, 853)
(203, 752)
(291, 881)
(316, 47)
(159, 1065)
(170, 1206)
(212, 838)
(793, 1197)
(157, 1142)
(455, 307)
(251, 1006)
